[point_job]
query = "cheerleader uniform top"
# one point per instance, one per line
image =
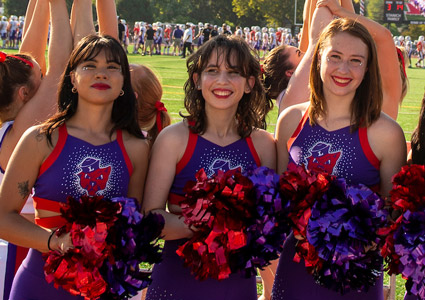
(6, 126)
(339, 152)
(28, 207)
(77, 168)
(201, 153)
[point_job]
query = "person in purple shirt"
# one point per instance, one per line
(218, 133)
(341, 131)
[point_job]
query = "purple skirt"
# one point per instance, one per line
(292, 282)
(172, 281)
(30, 283)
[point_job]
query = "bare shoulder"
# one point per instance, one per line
(385, 135)
(173, 137)
(289, 119)
(35, 141)
(265, 146)
(385, 128)
(260, 136)
(133, 143)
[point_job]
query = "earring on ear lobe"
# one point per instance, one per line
(121, 93)
(74, 90)
(199, 87)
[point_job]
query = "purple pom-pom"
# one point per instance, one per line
(135, 238)
(271, 225)
(343, 229)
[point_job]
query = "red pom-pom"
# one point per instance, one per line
(218, 207)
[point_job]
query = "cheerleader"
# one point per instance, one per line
(28, 98)
(226, 107)
(344, 120)
(92, 146)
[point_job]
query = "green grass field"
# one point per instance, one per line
(172, 72)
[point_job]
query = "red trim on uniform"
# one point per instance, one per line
(298, 130)
(50, 222)
(190, 148)
(21, 253)
(364, 142)
(63, 134)
(253, 151)
(124, 152)
(45, 204)
(175, 199)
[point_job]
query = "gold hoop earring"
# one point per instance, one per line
(121, 93)
(74, 90)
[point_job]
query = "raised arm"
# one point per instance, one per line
(81, 20)
(43, 103)
(297, 90)
(107, 17)
(36, 27)
(308, 11)
(387, 56)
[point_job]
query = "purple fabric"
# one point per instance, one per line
(292, 282)
(30, 284)
(84, 169)
(104, 171)
(212, 158)
(172, 281)
(338, 152)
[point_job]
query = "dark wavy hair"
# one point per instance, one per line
(418, 138)
(252, 108)
(275, 66)
(367, 102)
(124, 110)
(13, 74)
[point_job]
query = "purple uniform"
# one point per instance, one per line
(171, 280)
(74, 168)
(340, 153)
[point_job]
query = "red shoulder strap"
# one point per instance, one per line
(253, 151)
(190, 148)
(124, 152)
(364, 142)
(298, 130)
(63, 134)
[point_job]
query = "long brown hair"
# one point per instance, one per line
(418, 138)
(14, 72)
(149, 92)
(367, 102)
(252, 108)
(124, 112)
(275, 66)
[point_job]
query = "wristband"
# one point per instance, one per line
(50, 237)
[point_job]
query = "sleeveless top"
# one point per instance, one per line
(28, 207)
(77, 168)
(201, 153)
(6, 126)
(339, 152)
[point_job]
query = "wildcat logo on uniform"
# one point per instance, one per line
(93, 178)
(322, 159)
(221, 164)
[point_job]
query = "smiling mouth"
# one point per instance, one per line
(341, 81)
(222, 93)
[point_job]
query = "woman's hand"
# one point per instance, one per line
(62, 243)
(333, 6)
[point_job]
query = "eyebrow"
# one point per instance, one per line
(355, 55)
